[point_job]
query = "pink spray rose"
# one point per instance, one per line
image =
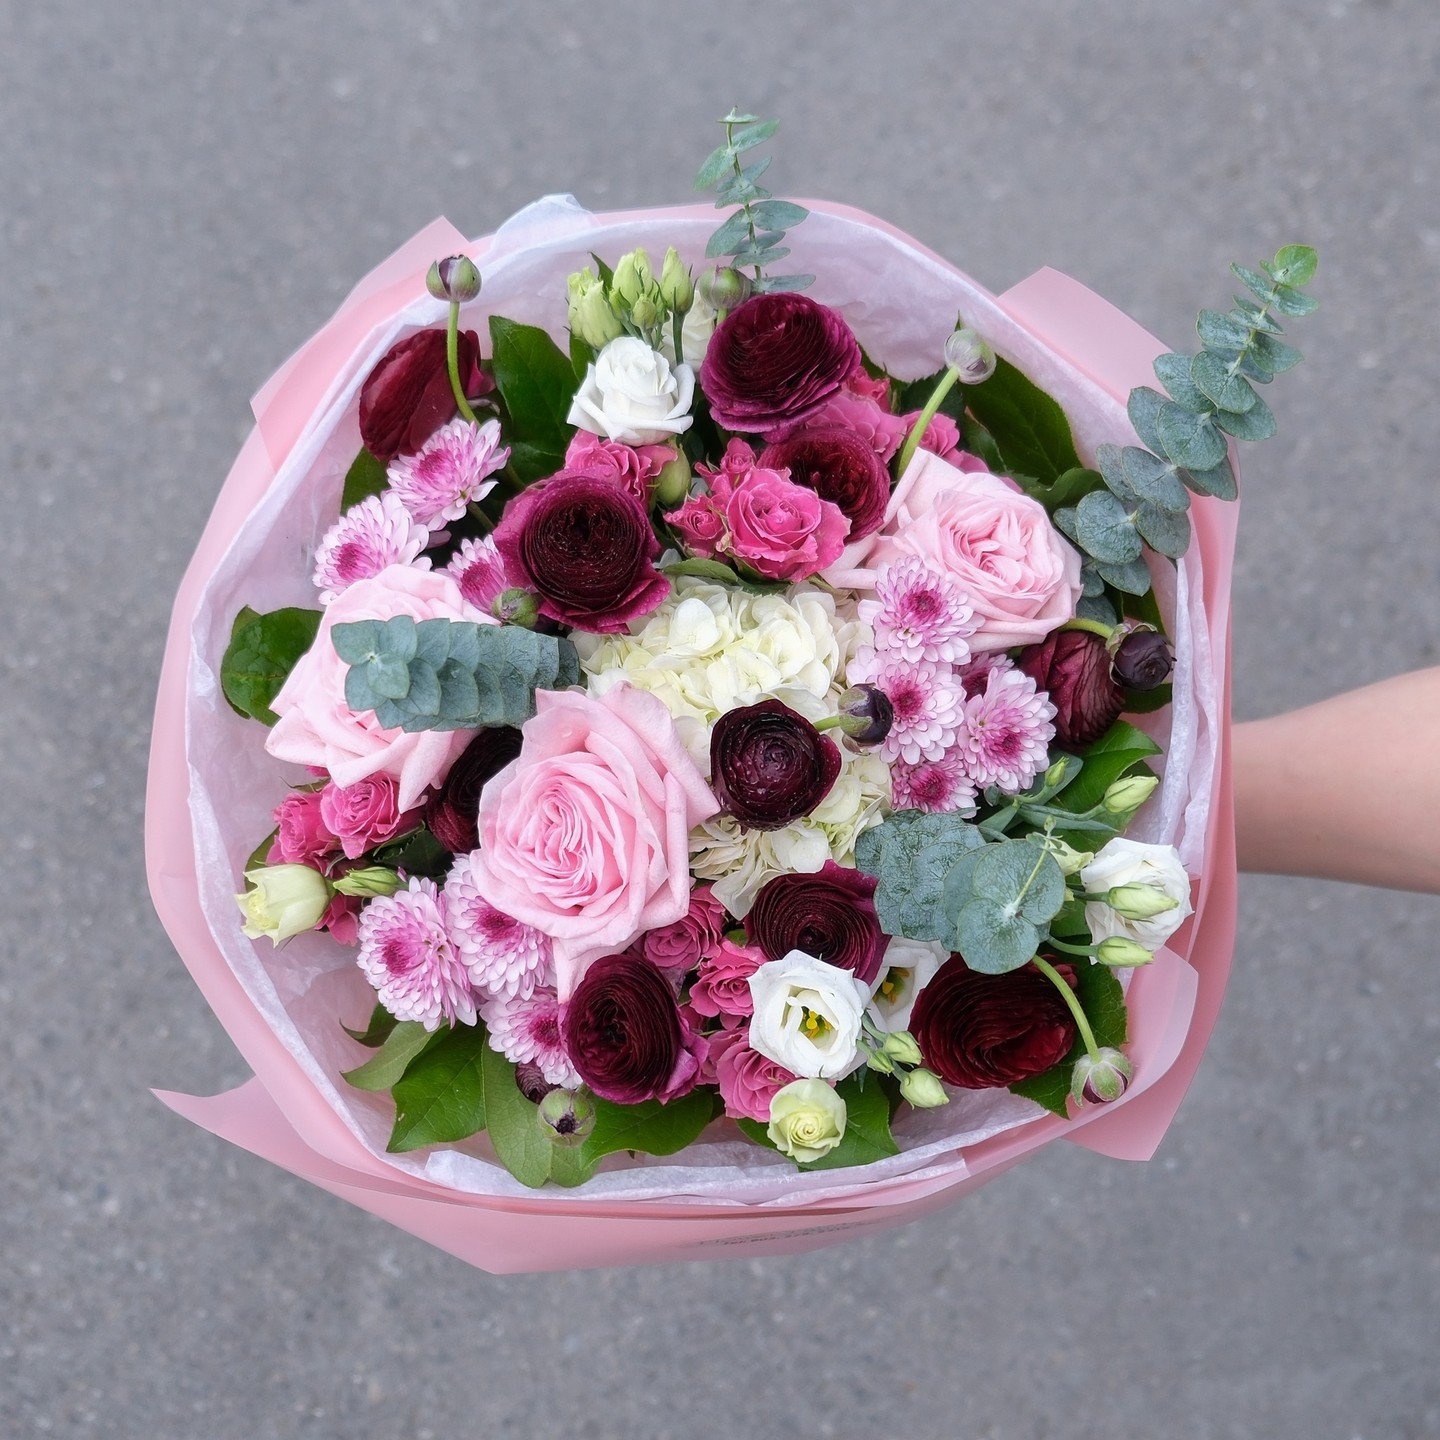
(632, 467)
(365, 814)
(722, 988)
(317, 727)
(682, 945)
(1020, 575)
(302, 836)
(747, 1079)
(585, 835)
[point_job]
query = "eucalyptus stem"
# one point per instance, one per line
(452, 361)
(944, 386)
(744, 204)
(1082, 1021)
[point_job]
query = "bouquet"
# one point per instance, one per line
(768, 731)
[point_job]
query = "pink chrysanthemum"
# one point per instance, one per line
(1007, 732)
(504, 956)
(919, 613)
(479, 570)
(938, 786)
(976, 675)
(928, 700)
(407, 954)
(526, 1030)
(367, 538)
(449, 470)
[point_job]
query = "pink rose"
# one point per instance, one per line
(585, 834)
(942, 438)
(364, 814)
(632, 467)
(681, 946)
(722, 988)
(998, 545)
(747, 1079)
(342, 918)
(317, 727)
(302, 836)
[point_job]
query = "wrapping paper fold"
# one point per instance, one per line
(284, 1115)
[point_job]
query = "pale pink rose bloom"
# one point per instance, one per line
(585, 835)
(748, 1081)
(317, 727)
(632, 467)
(1021, 576)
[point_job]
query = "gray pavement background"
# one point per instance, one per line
(186, 190)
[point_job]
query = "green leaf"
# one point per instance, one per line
(650, 1127)
(1022, 875)
(582, 357)
(992, 939)
(1103, 1002)
(521, 1144)
(441, 1098)
(1173, 372)
(1146, 476)
(867, 1126)
(910, 855)
(261, 654)
(537, 383)
(1121, 749)
(732, 234)
(1130, 579)
(1029, 429)
(365, 477)
(418, 853)
(1276, 355)
(384, 1069)
(1067, 489)
(531, 461)
(260, 855)
(1293, 302)
(1222, 389)
(1166, 531)
(1294, 264)
(377, 1028)
(1104, 529)
(777, 214)
(1218, 481)
(1222, 331)
(747, 137)
(1257, 423)
(1144, 407)
(718, 164)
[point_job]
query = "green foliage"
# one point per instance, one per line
(521, 1144)
(441, 1096)
(365, 477)
(650, 1127)
(417, 852)
(1103, 1002)
(537, 381)
(1002, 899)
(377, 1028)
(383, 1070)
(263, 650)
(867, 1125)
(910, 855)
(1120, 751)
(450, 674)
(1028, 430)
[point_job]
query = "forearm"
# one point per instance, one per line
(1348, 789)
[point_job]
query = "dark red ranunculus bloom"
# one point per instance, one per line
(586, 547)
(983, 1031)
(450, 813)
(840, 466)
(830, 915)
(774, 360)
(625, 1034)
(407, 397)
(1073, 666)
(769, 766)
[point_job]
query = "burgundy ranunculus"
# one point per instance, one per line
(830, 915)
(407, 397)
(983, 1031)
(625, 1034)
(774, 360)
(450, 813)
(840, 466)
(586, 547)
(769, 766)
(1074, 667)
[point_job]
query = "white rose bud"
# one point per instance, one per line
(807, 1120)
(632, 395)
(922, 1088)
(1125, 865)
(283, 900)
(808, 1015)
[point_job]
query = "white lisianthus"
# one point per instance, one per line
(1131, 862)
(908, 967)
(631, 394)
(808, 1015)
(283, 900)
(807, 1120)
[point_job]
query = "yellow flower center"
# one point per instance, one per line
(812, 1024)
(895, 982)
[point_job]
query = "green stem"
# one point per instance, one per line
(1095, 627)
(828, 723)
(677, 322)
(922, 422)
(1082, 1021)
(1087, 950)
(485, 523)
(744, 204)
(452, 360)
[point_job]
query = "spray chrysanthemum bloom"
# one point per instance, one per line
(479, 571)
(937, 786)
(526, 1030)
(449, 471)
(503, 956)
(928, 699)
(408, 956)
(368, 537)
(1007, 732)
(919, 613)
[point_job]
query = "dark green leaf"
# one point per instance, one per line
(1121, 749)
(582, 357)
(650, 1128)
(380, 1024)
(261, 654)
(521, 1143)
(417, 853)
(537, 383)
(441, 1099)
(365, 477)
(384, 1069)
(1029, 428)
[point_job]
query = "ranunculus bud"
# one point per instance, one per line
(829, 915)
(725, 288)
(968, 353)
(516, 607)
(407, 397)
(770, 766)
(567, 1116)
(1073, 666)
(1140, 902)
(672, 484)
(531, 1082)
(866, 714)
(455, 279)
(1143, 659)
(985, 1031)
(840, 466)
(922, 1088)
(900, 1045)
(1101, 1078)
(1127, 795)
(451, 812)
(677, 289)
(632, 278)
(1122, 953)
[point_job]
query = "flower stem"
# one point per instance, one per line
(485, 523)
(828, 723)
(1082, 1021)
(677, 321)
(1095, 627)
(943, 387)
(452, 360)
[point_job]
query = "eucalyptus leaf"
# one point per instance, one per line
(732, 234)
(1153, 479)
(718, 164)
(1104, 529)
(1167, 531)
(1294, 264)
(757, 132)
(1292, 302)
(1144, 407)
(1222, 331)
(1257, 423)
(779, 215)
(1191, 441)
(992, 939)
(1218, 481)
(1173, 372)
(1225, 390)
(910, 854)
(1132, 578)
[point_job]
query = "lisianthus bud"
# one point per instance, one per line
(677, 289)
(567, 1116)
(901, 1045)
(283, 900)
(1139, 902)
(672, 484)
(922, 1088)
(866, 714)
(1143, 659)
(369, 880)
(1101, 1078)
(455, 279)
(633, 277)
(1129, 794)
(516, 607)
(724, 288)
(880, 1062)
(1122, 953)
(591, 315)
(1070, 860)
(968, 352)
(646, 312)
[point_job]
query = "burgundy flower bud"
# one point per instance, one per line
(407, 397)
(774, 360)
(984, 1031)
(1143, 659)
(769, 766)
(1101, 1079)
(450, 813)
(866, 714)
(830, 915)
(625, 1034)
(839, 465)
(586, 547)
(531, 1082)
(1074, 667)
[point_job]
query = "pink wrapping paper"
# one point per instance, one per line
(281, 1116)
